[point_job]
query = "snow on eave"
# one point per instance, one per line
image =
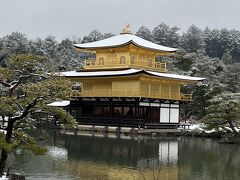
(124, 39)
(59, 103)
(85, 74)
(100, 73)
(175, 76)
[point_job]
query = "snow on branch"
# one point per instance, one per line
(5, 84)
(27, 109)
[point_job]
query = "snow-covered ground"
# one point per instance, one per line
(201, 127)
(4, 177)
(58, 153)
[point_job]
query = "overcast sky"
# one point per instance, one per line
(65, 18)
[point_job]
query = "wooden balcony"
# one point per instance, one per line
(133, 93)
(148, 65)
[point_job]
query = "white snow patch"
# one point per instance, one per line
(57, 153)
(99, 73)
(195, 127)
(3, 131)
(199, 127)
(59, 103)
(4, 177)
(175, 76)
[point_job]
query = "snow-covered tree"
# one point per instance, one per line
(231, 78)
(15, 43)
(67, 57)
(227, 58)
(144, 33)
(224, 112)
(95, 35)
(165, 35)
(107, 35)
(193, 39)
(235, 51)
(49, 46)
(37, 47)
(25, 91)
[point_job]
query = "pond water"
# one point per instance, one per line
(110, 157)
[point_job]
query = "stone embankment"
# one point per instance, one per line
(146, 132)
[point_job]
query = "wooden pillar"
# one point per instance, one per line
(111, 108)
(137, 115)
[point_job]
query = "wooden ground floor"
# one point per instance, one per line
(126, 112)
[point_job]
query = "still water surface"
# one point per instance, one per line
(107, 157)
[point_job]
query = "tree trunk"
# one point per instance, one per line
(3, 161)
(232, 127)
(4, 154)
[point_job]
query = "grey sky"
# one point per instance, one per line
(65, 18)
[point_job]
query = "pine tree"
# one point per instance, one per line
(25, 91)
(95, 35)
(165, 35)
(231, 78)
(144, 33)
(193, 39)
(224, 111)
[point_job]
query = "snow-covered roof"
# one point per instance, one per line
(124, 39)
(99, 73)
(175, 76)
(128, 72)
(59, 103)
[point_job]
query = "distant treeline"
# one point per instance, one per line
(211, 42)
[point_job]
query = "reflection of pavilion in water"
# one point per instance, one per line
(167, 155)
(123, 157)
(168, 152)
(122, 150)
(111, 158)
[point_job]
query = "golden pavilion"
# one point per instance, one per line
(126, 86)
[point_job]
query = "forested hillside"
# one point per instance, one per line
(210, 53)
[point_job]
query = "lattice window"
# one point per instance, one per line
(150, 62)
(101, 61)
(122, 60)
(133, 60)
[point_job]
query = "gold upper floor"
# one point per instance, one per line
(128, 56)
(129, 86)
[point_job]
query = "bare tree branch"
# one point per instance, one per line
(16, 83)
(21, 96)
(5, 83)
(19, 71)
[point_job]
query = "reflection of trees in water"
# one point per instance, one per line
(183, 158)
(110, 150)
(208, 159)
